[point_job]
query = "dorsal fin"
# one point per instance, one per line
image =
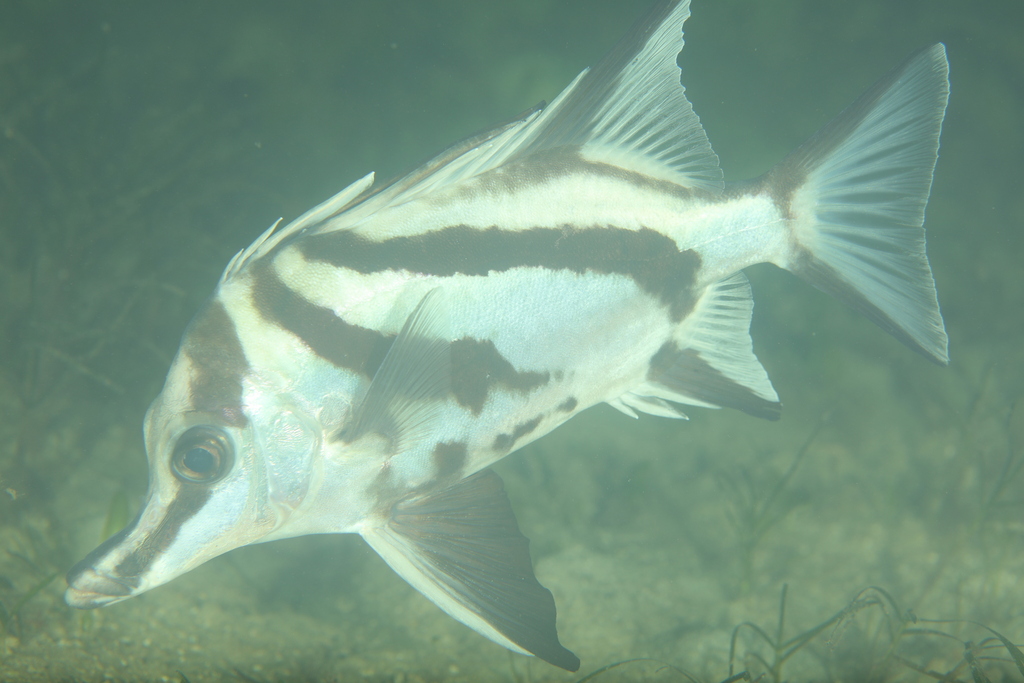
(631, 107)
(271, 237)
(629, 110)
(459, 160)
(467, 158)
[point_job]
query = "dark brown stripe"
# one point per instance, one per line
(685, 371)
(219, 364)
(478, 367)
(347, 346)
(505, 442)
(93, 558)
(188, 501)
(449, 459)
(551, 164)
(650, 258)
(568, 405)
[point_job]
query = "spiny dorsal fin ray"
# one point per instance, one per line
(463, 550)
(630, 110)
(405, 397)
(463, 159)
(466, 158)
(710, 362)
(271, 237)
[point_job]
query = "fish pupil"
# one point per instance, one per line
(202, 455)
(199, 460)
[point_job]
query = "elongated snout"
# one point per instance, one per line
(89, 588)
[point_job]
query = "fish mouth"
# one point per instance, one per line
(89, 589)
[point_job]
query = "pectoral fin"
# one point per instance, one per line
(462, 549)
(403, 401)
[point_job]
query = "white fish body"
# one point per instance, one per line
(358, 370)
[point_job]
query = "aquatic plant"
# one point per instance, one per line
(10, 617)
(753, 510)
(899, 643)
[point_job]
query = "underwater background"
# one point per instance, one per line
(876, 532)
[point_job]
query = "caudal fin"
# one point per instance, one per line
(855, 195)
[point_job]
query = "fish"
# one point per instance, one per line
(360, 369)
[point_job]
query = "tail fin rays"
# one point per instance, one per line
(855, 194)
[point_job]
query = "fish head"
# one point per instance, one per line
(230, 460)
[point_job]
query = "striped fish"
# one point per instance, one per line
(360, 369)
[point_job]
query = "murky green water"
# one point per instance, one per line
(143, 144)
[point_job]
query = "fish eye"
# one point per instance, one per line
(202, 455)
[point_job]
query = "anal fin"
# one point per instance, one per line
(710, 361)
(463, 550)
